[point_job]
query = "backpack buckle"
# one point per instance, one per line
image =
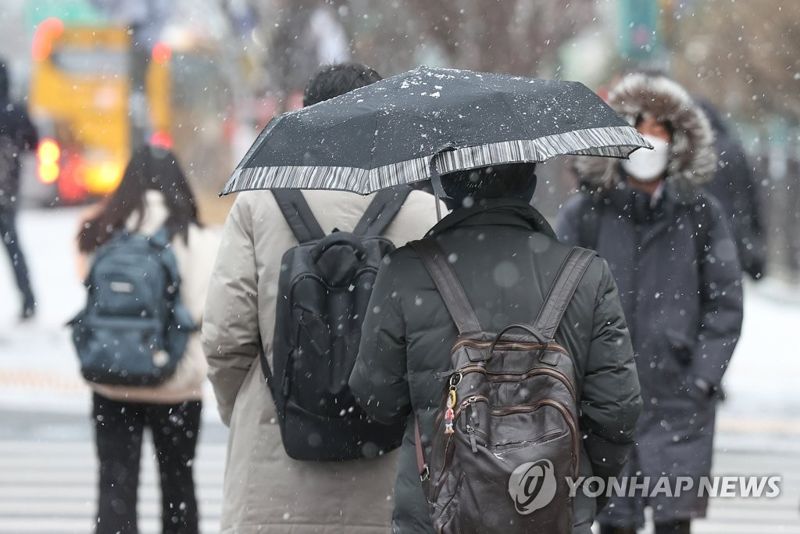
(425, 474)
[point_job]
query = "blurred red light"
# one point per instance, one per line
(161, 53)
(161, 139)
(46, 32)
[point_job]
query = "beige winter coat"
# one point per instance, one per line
(195, 259)
(265, 490)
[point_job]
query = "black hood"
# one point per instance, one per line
(713, 115)
(511, 180)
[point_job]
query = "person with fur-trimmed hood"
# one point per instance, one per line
(675, 263)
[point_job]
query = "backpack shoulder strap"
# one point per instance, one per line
(450, 289)
(161, 239)
(161, 242)
(562, 290)
(382, 211)
(298, 215)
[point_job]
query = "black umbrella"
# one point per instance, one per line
(387, 133)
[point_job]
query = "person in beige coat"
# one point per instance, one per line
(264, 489)
(153, 194)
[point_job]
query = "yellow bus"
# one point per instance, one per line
(80, 98)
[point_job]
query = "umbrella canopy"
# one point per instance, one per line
(387, 133)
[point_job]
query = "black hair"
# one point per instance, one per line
(511, 180)
(334, 80)
(665, 123)
(150, 168)
(713, 115)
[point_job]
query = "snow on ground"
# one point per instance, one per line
(38, 369)
(37, 365)
(762, 377)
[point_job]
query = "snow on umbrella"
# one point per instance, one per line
(386, 134)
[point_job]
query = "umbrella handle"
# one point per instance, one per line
(436, 180)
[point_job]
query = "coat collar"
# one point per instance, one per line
(495, 212)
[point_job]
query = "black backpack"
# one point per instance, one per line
(134, 328)
(506, 436)
(323, 292)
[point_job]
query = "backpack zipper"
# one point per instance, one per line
(568, 417)
(513, 345)
(525, 408)
(508, 411)
(501, 377)
(317, 278)
(469, 400)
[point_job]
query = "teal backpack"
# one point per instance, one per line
(134, 328)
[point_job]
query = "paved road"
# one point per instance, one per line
(47, 479)
(48, 476)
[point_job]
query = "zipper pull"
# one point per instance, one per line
(473, 418)
(473, 441)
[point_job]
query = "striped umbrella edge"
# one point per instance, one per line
(611, 141)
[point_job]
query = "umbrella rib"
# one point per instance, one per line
(522, 126)
(371, 165)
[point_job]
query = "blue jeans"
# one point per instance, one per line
(8, 234)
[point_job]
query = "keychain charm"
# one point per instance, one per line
(449, 414)
(448, 421)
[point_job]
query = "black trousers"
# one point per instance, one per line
(10, 238)
(119, 427)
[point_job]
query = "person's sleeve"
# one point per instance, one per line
(203, 245)
(746, 214)
(721, 303)
(379, 378)
(567, 226)
(611, 401)
(230, 333)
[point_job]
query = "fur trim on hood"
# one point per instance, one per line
(692, 156)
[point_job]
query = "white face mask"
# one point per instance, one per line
(648, 165)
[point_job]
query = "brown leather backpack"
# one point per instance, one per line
(506, 437)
